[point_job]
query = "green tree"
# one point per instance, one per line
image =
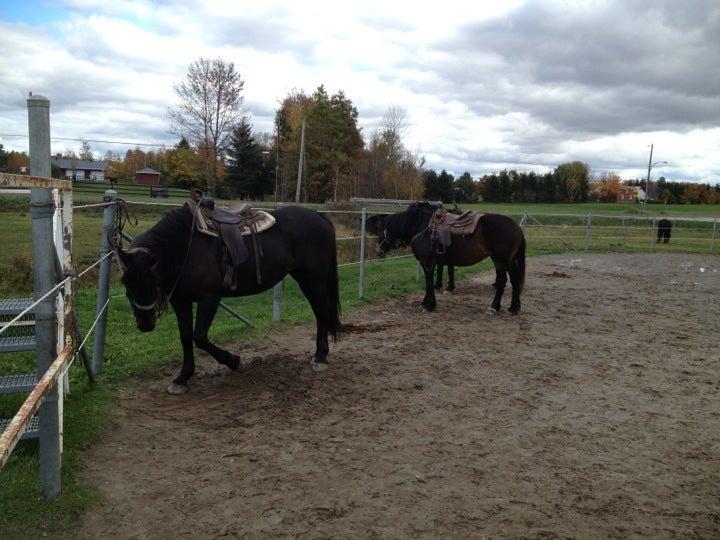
(573, 181)
(464, 188)
(247, 174)
(333, 143)
(182, 166)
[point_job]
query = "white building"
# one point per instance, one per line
(82, 170)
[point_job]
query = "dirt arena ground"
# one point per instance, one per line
(595, 413)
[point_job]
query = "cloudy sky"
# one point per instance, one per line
(486, 85)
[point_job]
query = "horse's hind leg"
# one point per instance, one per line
(438, 280)
(451, 278)
(206, 310)
(515, 282)
(500, 281)
(316, 294)
(429, 303)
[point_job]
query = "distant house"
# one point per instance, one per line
(631, 194)
(147, 177)
(82, 170)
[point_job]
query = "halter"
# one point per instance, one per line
(141, 307)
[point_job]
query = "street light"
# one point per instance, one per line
(651, 164)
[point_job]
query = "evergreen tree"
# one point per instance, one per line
(246, 175)
(464, 188)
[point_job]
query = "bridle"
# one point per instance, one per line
(141, 307)
(385, 241)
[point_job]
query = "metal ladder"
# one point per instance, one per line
(24, 382)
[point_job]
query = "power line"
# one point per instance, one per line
(163, 145)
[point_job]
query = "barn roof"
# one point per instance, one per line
(147, 170)
(81, 164)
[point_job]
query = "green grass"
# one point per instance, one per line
(131, 355)
(630, 209)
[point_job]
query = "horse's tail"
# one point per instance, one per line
(519, 263)
(333, 291)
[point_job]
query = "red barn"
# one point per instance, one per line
(147, 177)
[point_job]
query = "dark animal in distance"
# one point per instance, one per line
(377, 223)
(664, 230)
(496, 236)
(172, 262)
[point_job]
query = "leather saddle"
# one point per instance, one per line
(444, 225)
(230, 226)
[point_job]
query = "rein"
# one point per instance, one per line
(187, 253)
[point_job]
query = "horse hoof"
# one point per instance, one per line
(177, 389)
(318, 366)
(492, 311)
(234, 364)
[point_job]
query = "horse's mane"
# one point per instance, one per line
(168, 241)
(163, 234)
(408, 223)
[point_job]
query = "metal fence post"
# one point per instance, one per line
(361, 281)
(714, 235)
(624, 233)
(103, 291)
(42, 208)
(652, 236)
(277, 300)
(417, 272)
(277, 291)
(587, 231)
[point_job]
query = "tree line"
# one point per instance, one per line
(569, 182)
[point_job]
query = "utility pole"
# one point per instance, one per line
(300, 162)
(647, 182)
(277, 159)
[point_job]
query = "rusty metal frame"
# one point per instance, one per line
(8, 180)
(15, 429)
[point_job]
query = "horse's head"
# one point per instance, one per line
(401, 227)
(390, 235)
(140, 277)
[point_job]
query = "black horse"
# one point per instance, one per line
(172, 262)
(406, 225)
(496, 236)
(664, 231)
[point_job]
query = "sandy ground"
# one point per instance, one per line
(595, 413)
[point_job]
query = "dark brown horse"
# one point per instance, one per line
(172, 262)
(664, 230)
(397, 230)
(496, 236)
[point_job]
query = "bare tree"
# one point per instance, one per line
(394, 125)
(210, 106)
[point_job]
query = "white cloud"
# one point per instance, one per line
(522, 85)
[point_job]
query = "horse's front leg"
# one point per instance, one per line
(429, 302)
(183, 313)
(206, 310)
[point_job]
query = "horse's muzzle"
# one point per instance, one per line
(380, 253)
(146, 326)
